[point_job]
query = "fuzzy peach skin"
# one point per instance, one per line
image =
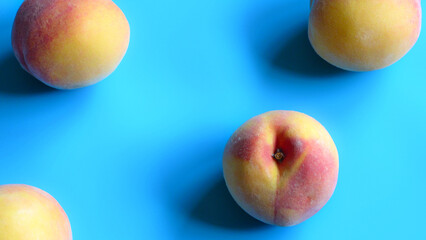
(282, 192)
(28, 213)
(69, 44)
(364, 35)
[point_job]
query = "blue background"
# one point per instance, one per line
(139, 154)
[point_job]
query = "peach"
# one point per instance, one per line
(28, 213)
(281, 167)
(363, 35)
(69, 44)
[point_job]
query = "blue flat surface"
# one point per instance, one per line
(139, 154)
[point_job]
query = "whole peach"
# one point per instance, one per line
(70, 44)
(281, 167)
(364, 35)
(28, 213)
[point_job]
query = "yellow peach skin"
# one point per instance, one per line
(28, 213)
(281, 167)
(70, 44)
(364, 35)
